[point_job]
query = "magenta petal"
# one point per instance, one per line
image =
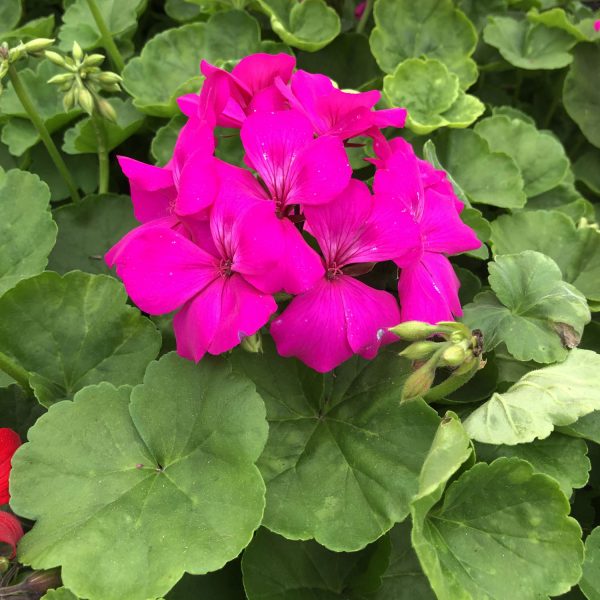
(259, 71)
(188, 104)
(368, 313)
(390, 117)
(313, 329)
(195, 138)
(198, 184)
(161, 268)
(428, 290)
(218, 318)
(153, 192)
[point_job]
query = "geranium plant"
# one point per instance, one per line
(298, 299)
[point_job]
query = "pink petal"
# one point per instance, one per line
(442, 228)
(195, 138)
(153, 192)
(313, 328)
(188, 104)
(259, 71)
(218, 318)
(268, 100)
(438, 181)
(161, 268)
(428, 290)
(390, 117)
(198, 184)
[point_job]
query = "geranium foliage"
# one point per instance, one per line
(299, 299)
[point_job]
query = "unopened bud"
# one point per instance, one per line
(85, 100)
(252, 343)
(108, 77)
(77, 52)
(61, 78)
(453, 356)
(419, 350)
(106, 110)
(413, 330)
(38, 45)
(69, 100)
(4, 564)
(93, 60)
(42, 581)
(418, 382)
(55, 57)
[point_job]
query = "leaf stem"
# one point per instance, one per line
(103, 166)
(364, 18)
(17, 372)
(38, 123)
(107, 40)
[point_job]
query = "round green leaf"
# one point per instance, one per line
(562, 457)
(27, 231)
(173, 57)
(586, 427)
(79, 25)
(575, 251)
(479, 10)
(557, 18)
(73, 331)
(533, 311)
(486, 177)
(581, 93)
(136, 493)
(36, 28)
(341, 464)
(431, 28)
(82, 139)
(529, 45)
(431, 94)
(87, 230)
(499, 519)
(586, 169)
(590, 582)
(542, 399)
(308, 25)
(10, 14)
(538, 154)
(278, 569)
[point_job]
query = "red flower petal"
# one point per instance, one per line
(10, 532)
(9, 442)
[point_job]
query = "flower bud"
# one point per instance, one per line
(419, 350)
(38, 45)
(69, 100)
(4, 564)
(253, 343)
(453, 356)
(55, 57)
(61, 78)
(418, 382)
(106, 110)
(108, 77)
(93, 60)
(40, 582)
(85, 100)
(77, 52)
(413, 330)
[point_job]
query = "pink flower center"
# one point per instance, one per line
(225, 267)
(333, 272)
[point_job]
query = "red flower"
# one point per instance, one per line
(9, 442)
(10, 532)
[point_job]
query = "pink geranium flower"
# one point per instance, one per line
(220, 276)
(597, 25)
(341, 316)
(334, 112)
(428, 286)
(249, 87)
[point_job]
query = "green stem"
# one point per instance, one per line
(17, 372)
(365, 17)
(44, 134)
(103, 170)
(107, 40)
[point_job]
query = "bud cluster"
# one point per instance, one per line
(8, 56)
(84, 80)
(445, 344)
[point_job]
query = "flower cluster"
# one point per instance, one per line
(218, 241)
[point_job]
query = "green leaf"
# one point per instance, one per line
(17, 410)
(173, 57)
(120, 16)
(486, 177)
(575, 251)
(225, 584)
(18, 133)
(586, 169)
(27, 231)
(529, 45)
(82, 139)
(87, 230)
(73, 331)
(347, 60)
(341, 464)
(431, 94)
(538, 154)
(590, 582)
(308, 25)
(403, 579)
(10, 15)
(428, 28)
(586, 427)
(41, 27)
(59, 594)
(499, 519)
(182, 11)
(479, 10)
(564, 198)
(156, 486)
(164, 141)
(278, 569)
(581, 93)
(555, 395)
(559, 456)
(533, 311)
(559, 19)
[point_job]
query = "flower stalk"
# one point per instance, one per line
(18, 373)
(107, 41)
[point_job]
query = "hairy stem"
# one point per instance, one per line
(365, 17)
(43, 131)
(17, 372)
(107, 40)
(103, 170)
